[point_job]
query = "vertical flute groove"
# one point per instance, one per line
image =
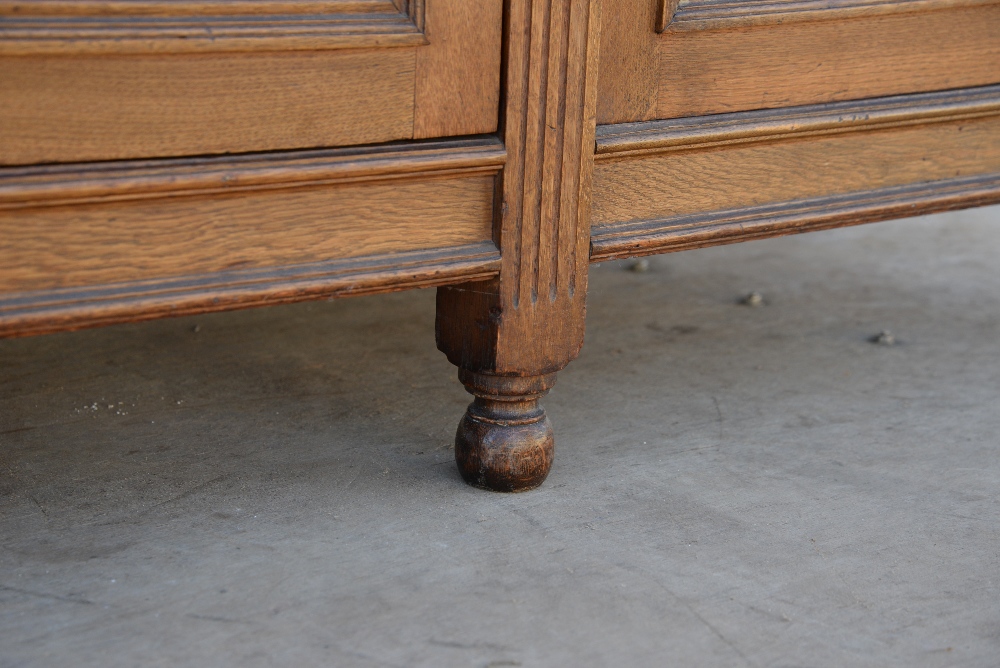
(557, 129)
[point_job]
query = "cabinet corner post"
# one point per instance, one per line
(509, 336)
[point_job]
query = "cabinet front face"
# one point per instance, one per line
(86, 80)
(731, 119)
(175, 156)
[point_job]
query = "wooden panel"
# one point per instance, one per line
(682, 15)
(712, 228)
(657, 137)
(143, 26)
(97, 183)
(83, 245)
(129, 79)
(160, 219)
(95, 244)
(668, 185)
(682, 182)
(458, 73)
(29, 313)
(811, 61)
(59, 109)
(628, 74)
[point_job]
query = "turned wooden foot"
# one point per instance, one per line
(510, 332)
(505, 441)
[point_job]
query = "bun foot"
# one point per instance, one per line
(504, 441)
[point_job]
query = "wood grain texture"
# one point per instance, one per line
(716, 14)
(684, 182)
(64, 227)
(509, 403)
(180, 26)
(532, 318)
(808, 62)
(58, 247)
(458, 72)
(656, 137)
(95, 244)
(30, 313)
(645, 237)
(628, 72)
(675, 184)
(90, 183)
(56, 109)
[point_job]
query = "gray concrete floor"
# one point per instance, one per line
(733, 486)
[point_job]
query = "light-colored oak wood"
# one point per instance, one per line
(60, 109)
(542, 223)
(628, 75)
(100, 183)
(679, 182)
(727, 178)
(181, 26)
(40, 312)
(157, 8)
(127, 241)
(712, 228)
(807, 62)
(76, 90)
(657, 137)
(69, 227)
(715, 15)
(458, 73)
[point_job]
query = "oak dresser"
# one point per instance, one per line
(171, 157)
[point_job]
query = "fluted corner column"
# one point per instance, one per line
(509, 336)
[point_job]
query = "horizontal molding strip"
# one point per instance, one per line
(651, 137)
(719, 14)
(30, 313)
(161, 26)
(90, 183)
(723, 227)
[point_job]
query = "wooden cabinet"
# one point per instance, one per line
(175, 157)
(168, 157)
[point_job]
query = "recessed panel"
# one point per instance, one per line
(678, 183)
(72, 109)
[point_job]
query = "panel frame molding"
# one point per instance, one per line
(627, 140)
(71, 184)
(39, 311)
(62, 27)
(638, 141)
(714, 228)
(681, 15)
